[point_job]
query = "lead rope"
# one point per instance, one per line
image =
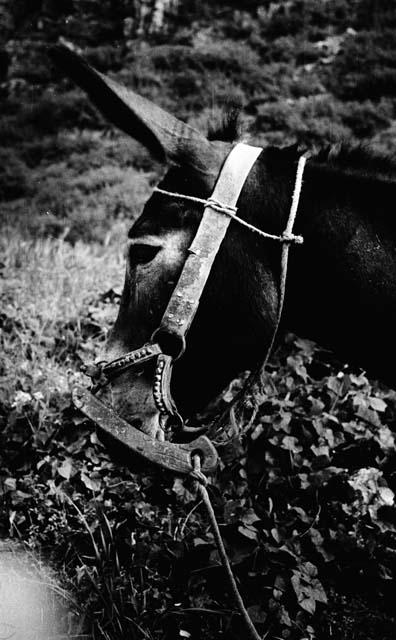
(201, 480)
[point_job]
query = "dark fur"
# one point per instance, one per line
(352, 158)
(341, 287)
(331, 296)
(229, 127)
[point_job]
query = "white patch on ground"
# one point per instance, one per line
(32, 604)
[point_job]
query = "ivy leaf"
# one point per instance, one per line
(291, 444)
(307, 603)
(308, 347)
(66, 469)
(321, 450)
(385, 573)
(308, 570)
(183, 494)
(358, 381)
(248, 532)
(282, 422)
(275, 534)
(377, 404)
(257, 614)
(94, 484)
(318, 593)
(232, 510)
(250, 517)
(385, 438)
(334, 384)
(284, 617)
(317, 406)
(368, 415)
(9, 484)
(318, 540)
(199, 542)
(307, 587)
(296, 364)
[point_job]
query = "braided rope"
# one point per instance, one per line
(286, 237)
(202, 490)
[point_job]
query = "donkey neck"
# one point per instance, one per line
(342, 287)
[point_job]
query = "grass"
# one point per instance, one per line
(48, 285)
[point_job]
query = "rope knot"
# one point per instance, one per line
(290, 237)
(196, 473)
(223, 208)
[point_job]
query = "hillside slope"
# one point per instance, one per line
(316, 72)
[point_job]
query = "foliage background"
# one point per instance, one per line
(306, 501)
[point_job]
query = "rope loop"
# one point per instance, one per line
(196, 473)
(286, 237)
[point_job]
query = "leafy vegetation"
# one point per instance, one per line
(305, 495)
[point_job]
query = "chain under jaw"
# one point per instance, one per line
(101, 373)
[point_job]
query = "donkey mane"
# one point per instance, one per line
(350, 158)
(358, 158)
(228, 126)
(354, 158)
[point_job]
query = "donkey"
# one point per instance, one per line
(341, 288)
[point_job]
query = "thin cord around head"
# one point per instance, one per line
(285, 257)
(286, 238)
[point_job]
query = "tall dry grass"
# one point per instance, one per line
(46, 287)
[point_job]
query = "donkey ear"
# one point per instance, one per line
(165, 136)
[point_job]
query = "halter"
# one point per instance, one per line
(168, 341)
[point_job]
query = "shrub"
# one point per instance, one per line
(14, 181)
(376, 85)
(366, 119)
(105, 57)
(53, 112)
(365, 68)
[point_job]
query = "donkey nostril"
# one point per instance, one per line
(137, 423)
(142, 253)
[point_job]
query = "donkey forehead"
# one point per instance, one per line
(162, 213)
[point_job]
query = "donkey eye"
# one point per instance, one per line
(142, 253)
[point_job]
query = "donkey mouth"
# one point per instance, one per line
(131, 397)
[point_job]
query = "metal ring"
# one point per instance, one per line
(166, 339)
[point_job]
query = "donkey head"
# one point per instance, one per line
(233, 325)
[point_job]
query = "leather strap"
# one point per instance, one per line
(185, 298)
